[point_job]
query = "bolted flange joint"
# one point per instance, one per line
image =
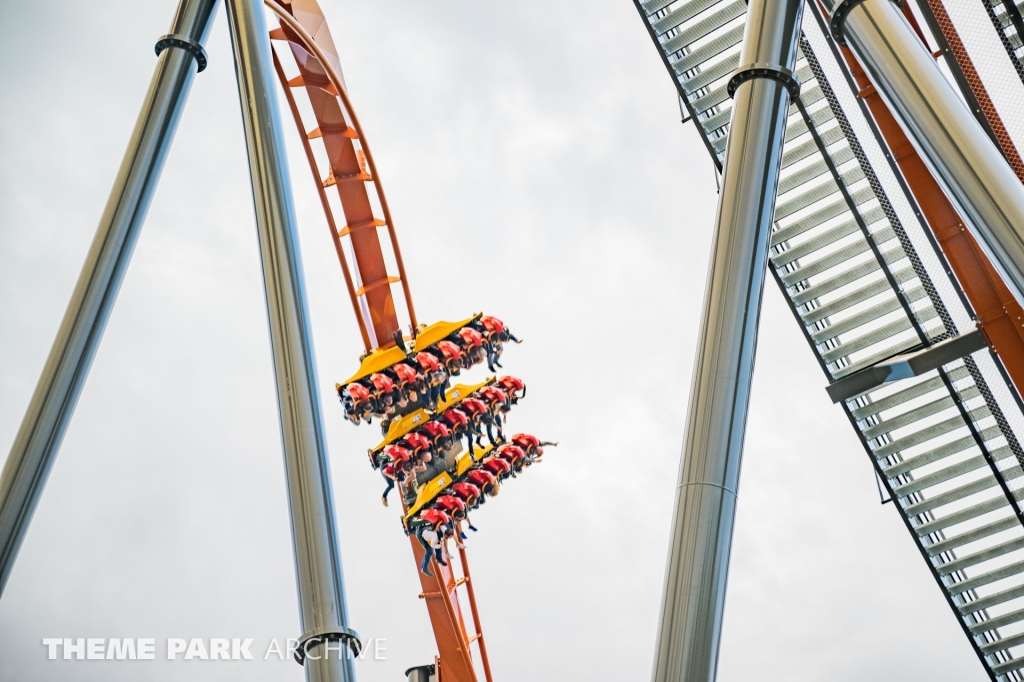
(773, 72)
(837, 22)
(330, 633)
(185, 43)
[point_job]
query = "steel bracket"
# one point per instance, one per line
(774, 72)
(185, 43)
(837, 21)
(907, 365)
(328, 633)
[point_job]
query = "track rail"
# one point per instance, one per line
(342, 160)
(349, 167)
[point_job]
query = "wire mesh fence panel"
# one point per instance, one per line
(988, 50)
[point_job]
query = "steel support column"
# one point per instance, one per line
(42, 429)
(705, 505)
(958, 152)
(314, 536)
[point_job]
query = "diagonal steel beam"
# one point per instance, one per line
(705, 506)
(322, 607)
(967, 164)
(67, 367)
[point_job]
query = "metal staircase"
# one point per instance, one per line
(865, 290)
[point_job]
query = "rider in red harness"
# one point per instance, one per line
(512, 454)
(493, 396)
(419, 446)
(531, 445)
(497, 403)
(438, 434)
(435, 377)
(474, 348)
(467, 492)
(396, 465)
(459, 424)
(456, 419)
(528, 443)
(514, 388)
(485, 481)
(385, 395)
(357, 401)
(408, 381)
(470, 494)
(451, 505)
(450, 358)
(478, 414)
(456, 509)
(497, 466)
(449, 354)
(495, 334)
(432, 524)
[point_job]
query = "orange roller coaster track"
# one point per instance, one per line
(350, 169)
(347, 165)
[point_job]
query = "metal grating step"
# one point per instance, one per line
(970, 537)
(950, 472)
(993, 600)
(940, 524)
(890, 305)
(841, 257)
(814, 171)
(926, 434)
(979, 557)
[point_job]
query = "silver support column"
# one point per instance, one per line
(705, 507)
(959, 153)
(314, 536)
(42, 429)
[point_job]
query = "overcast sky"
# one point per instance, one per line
(535, 148)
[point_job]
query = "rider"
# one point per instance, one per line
(531, 445)
(433, 525)
(467, 492)
(478, 414)
(397, 463)
(495, 397)
(435, 376)
(512, 454)
(474, 348)
(497, 403)
(495, 334)
(485, 481)
(470, 494)
(439, 435)
(497, 466)
(407, 380)
(451, 360)
(459, 424)
(384, 393)
(456, 509)
(419, 446)
(515, 388)
(451, 505)
(356, 400)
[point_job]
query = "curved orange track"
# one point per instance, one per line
(349, 168)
